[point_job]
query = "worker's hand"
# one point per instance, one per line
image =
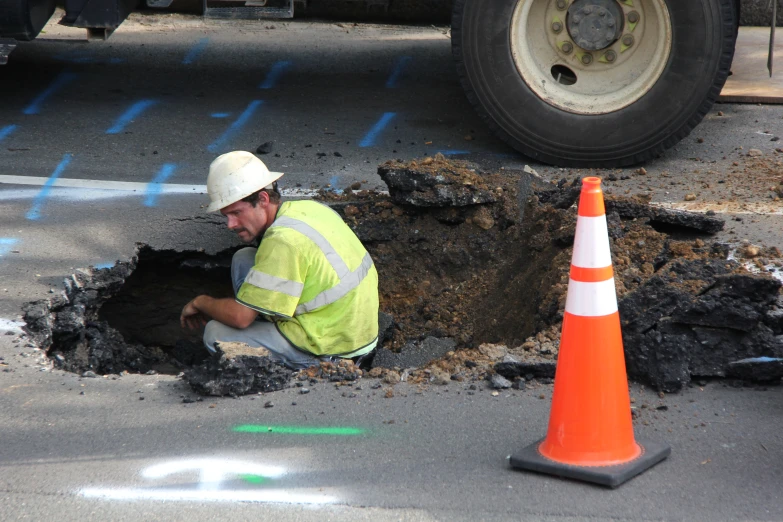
(191, 317)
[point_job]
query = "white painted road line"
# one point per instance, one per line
(130, 186)
(194, 495)
(11, 325)
(96, 184)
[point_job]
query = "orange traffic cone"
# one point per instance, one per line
(590, 434)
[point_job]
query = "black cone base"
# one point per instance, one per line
(530, 459)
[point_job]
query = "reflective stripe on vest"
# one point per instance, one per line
(346, 284)
(348, 280)
(274, 283)
(313, 235)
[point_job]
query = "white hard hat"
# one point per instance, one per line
(236, 175)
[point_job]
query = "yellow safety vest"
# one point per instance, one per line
(315, 279)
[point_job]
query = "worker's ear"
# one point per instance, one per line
(263, 198)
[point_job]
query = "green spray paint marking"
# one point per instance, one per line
(299, 430)
(254, 479)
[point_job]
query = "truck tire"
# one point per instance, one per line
(608, 100)
(24, 19)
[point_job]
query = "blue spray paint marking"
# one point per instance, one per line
(391, 83)
(333, 182)
(128, 116)
(35, 211)
(153, 187)
(6, 131)
(63, 79)
(274, 74)
(369, 139)
(760, 360)
(235, 127)
(195, 51)
(220, 114)
(104, 265)
(6, 243)
(454, 152)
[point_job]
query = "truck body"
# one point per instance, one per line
(578, 83)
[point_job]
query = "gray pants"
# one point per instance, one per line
(260, 333)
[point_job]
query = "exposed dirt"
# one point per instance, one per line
(477, 275)
(459, 268)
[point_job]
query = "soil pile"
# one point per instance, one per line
(476, 274)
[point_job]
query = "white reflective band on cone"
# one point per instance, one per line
(591, 243)
(591, 299)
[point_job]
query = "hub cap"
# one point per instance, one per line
(595, 24)
(591, 56)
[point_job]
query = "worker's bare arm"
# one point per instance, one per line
(226, 311)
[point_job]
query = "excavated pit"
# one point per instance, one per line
(126, 318)
(147, 308)
(473, 273)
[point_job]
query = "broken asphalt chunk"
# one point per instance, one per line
(630, 208)
(511, 368)
(237, 369)
(414, 354)
(695, 317)
(435, 182)
(499, 382)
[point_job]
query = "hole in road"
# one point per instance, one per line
(460, 266)
(126, 318)
(563, 75)
(146, 309)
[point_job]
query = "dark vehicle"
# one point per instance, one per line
(588, 83)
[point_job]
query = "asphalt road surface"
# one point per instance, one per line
(152, 106)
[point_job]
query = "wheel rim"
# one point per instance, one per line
(621, 68)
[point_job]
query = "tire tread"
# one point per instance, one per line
(728, 17)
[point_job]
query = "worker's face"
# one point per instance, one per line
(247, 221)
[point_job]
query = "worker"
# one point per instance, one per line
(308, 293)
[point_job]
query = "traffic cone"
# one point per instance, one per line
(590, 434)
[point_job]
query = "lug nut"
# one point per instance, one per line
(633, 17)
(561, 4)
(557, 27)
(567, 47)
(610, 56)
(587, 59)
(628, 40)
